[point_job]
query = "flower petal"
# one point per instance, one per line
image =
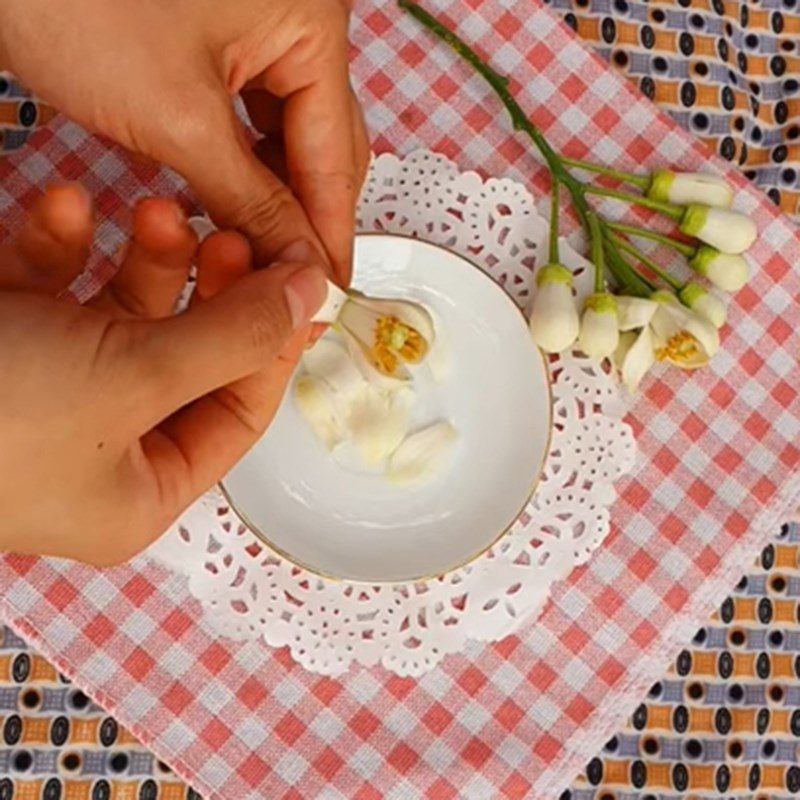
(422, 453)
(626, 341)
(554, 322)
(635, 312)
(316, 404)
(360, 320)
(698, 187)
(728, 272)
(332, 306)
(704, 304)
(727, 231)
(414, 315)
(331, 363)
(638, 360)
(673, 318)
(378, 422)
(599, 335)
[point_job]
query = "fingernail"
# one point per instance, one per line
(305, 292)
(298, 251)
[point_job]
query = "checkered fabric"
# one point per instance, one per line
(517, 718)
(723, 722)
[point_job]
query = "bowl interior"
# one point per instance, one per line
(341, 523)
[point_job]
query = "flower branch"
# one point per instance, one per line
(678, 325)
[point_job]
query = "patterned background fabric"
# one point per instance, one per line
(727, 71)
(57, 744)
(20, 114)
(724, 720)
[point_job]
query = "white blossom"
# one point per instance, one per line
(727, 231)
(554, 319)
(686, 188)
(728, 272)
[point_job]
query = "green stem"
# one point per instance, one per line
(554, 192)
(598, 256)
(625, 275)
(499, 83)
(630, 280)
(685, 249)
(664, 208)
(647, 261)
(642, 181)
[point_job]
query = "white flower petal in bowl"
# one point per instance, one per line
(319, 408)
(378, 422)
(422, 453)
(330, 362)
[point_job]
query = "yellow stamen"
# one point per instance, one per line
(681, 349)
(383, 359)
(414, 348)
(394, 340)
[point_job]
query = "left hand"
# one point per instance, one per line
(116, 415)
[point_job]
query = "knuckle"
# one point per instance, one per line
(244, 413)
(266, 214)
(127, 299)
(268, 324)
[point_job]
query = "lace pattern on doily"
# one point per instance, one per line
(248, 592)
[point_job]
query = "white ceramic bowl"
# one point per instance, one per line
(309, 507)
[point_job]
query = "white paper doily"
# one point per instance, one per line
(248, 592)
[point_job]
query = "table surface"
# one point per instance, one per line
(517, 717)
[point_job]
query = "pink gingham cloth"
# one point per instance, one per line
(719, 452)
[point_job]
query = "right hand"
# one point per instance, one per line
(159, 78)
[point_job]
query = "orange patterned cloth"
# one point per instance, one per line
(725, 719)
(58, 745)
(20, 114)
(727, 70)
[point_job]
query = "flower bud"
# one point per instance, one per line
(704, 303)
(599, 334)
(728, 272)
(554, 319)
(686, 188)
(728, 231)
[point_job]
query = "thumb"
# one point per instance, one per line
(239, 191)
(235, 334)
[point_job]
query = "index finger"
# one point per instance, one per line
(237, 190)
(320, 155)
